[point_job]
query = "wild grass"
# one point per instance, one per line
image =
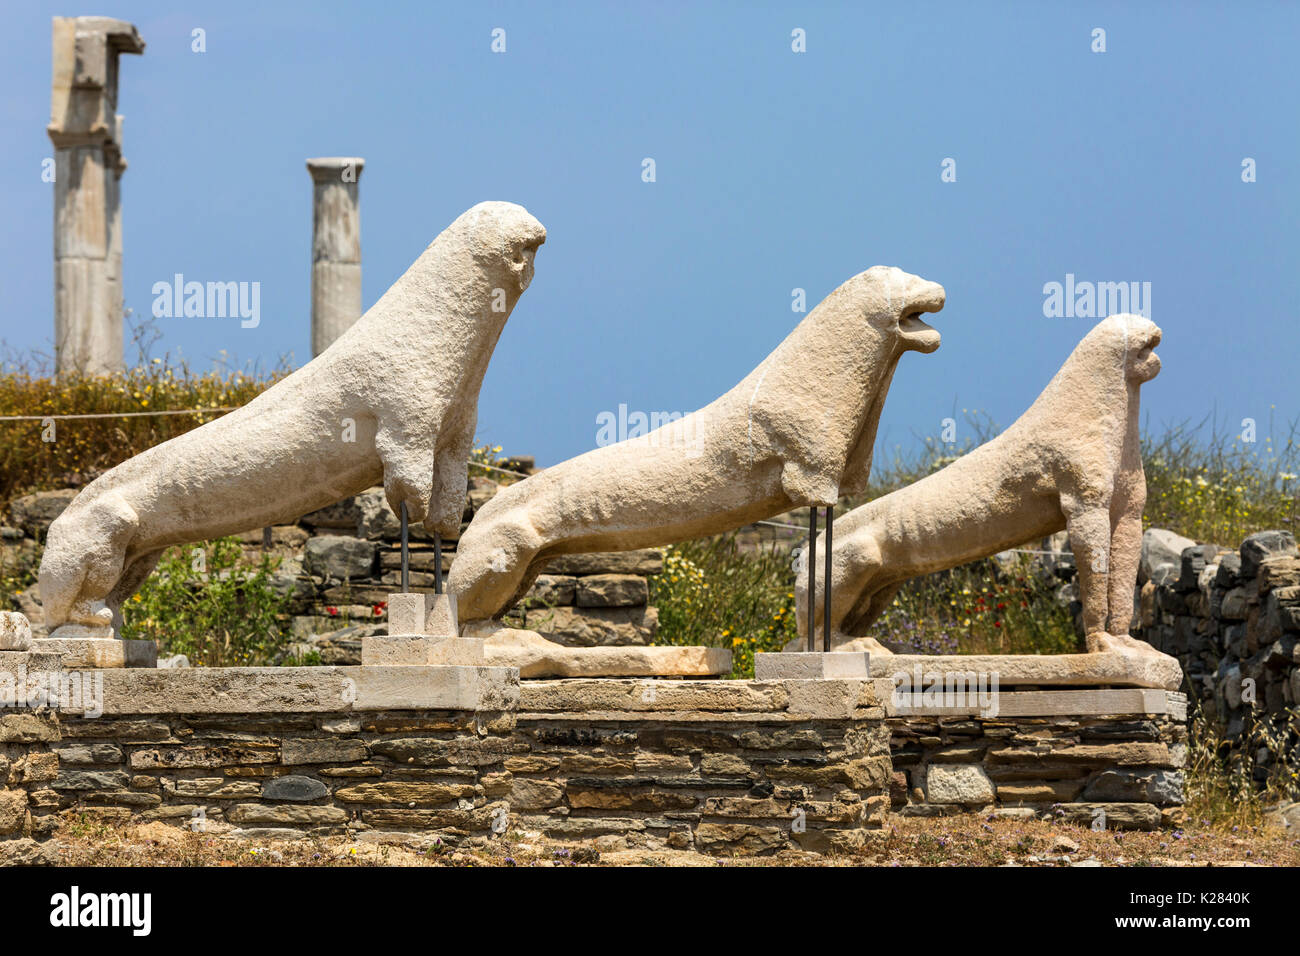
(40, 451)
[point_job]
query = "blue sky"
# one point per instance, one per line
(775, 170)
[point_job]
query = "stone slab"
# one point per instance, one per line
(91, 653)
(812, 665)
(692, 700)
(404, 687)
(535, 656)
(421, 649)
(1115, 702)
(1109, 668)
(239, 690)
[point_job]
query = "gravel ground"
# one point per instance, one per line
(967, 840)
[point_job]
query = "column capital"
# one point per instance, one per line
(328, 169)
(83, 100)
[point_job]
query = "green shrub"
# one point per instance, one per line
(711, 594)
(212, 604)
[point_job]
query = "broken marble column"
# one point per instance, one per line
(88, 166)
(335, 248)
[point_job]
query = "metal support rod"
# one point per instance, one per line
(437, 563)
(406, 554)
(812, 579)
(826, 585)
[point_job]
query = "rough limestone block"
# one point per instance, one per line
(444, 687)
(392, 398)
(965, 784)
(749, 454)
(814, 665)
(15, 631)
(1041, 475)
(535, 656)
(1113, 668)
(94, 653)
(612, 590)
(420, 649)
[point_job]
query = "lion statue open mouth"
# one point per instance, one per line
(798, 430)
(1072, 461)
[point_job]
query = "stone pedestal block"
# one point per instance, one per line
(421, 649)
(429, 614)
(812, 665)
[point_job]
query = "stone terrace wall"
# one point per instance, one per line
(715, 766)
(342, 562)
(721, 766)
(1232, 618)
(1129, 767)
(467, 753)
(320, 773)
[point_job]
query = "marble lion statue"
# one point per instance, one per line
(798, 430)
(1071, 462)
(393, 399)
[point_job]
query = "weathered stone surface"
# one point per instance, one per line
(1161, 558)
(1162, 787)
(966, 784)
(28, 728)
(644, 561)
(306, 750)
(340, 557)
(552, 590)
(255, 814)
(1263, 545)
(535, 656)
(596, 627)
(199, 756)
(86, 649)
(612, 590)
(1126, 754)
(579, 696)
(294, 787)
(13, 811)
(91, 780)
(528, 794)
(1048, 791)
(421, 650)
(401, 791)
(15, 631)
(89, 753)
(804, 665)
(1117, 816)
(336, 247)
(35, 512)
(215, 788)
(1114, 668)
(730, 837)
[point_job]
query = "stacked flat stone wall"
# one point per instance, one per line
(716, 766)
(1232, 618)
(464, 753)
(1122, 771)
